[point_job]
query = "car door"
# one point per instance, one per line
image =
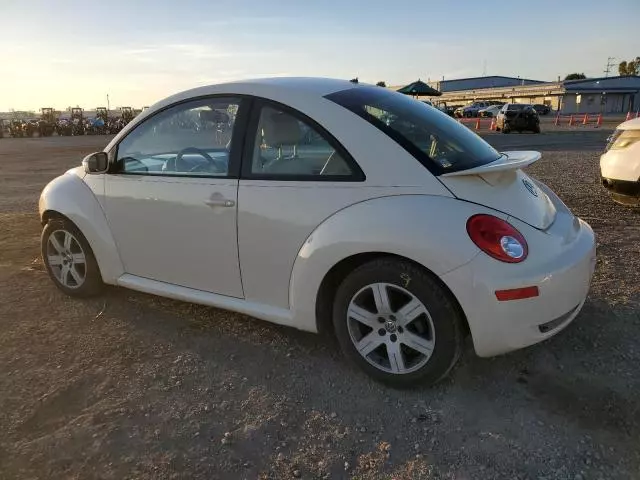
(294, 176)
(171, 195)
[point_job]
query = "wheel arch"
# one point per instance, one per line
(426, 230)
(68, 197)
(334, 277)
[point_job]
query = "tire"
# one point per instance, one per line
(64, 248)
(506, 129)
(436, 331)
(536, 129)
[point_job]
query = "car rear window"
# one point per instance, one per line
(439, 142)
(517, 106)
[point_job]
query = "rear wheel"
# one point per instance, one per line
(536, 129)
(69, 259)
(397, 323)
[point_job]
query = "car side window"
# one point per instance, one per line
(189, 139)
(287, 147)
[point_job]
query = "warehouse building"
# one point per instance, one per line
(592, 95)
(473, 83)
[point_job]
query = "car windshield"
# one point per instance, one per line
(435, 139)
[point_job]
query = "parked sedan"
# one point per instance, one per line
(471, 110)
(491, 111)
(519, 117)
(620, 164)
(326, 206)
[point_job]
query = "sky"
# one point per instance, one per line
(66, 52)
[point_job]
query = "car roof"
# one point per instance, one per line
(633, 124)
(309, 85)
(275, 88)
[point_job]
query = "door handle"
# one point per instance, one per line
(220, 203)
(217, 200)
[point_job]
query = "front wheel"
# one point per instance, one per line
(69, 259)
(397, 323)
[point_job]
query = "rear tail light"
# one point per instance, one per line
(497, 238)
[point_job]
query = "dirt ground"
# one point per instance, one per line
(131, 386)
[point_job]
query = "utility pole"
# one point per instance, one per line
(609, 65)
(108, 104)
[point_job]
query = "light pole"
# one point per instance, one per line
(108, 104)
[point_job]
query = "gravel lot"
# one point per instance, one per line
(132, 386)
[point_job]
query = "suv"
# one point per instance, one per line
(518, 117)
(542, 109)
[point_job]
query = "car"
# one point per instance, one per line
(490, 111)
(445, 108)
(542, 109)
(620, 164)
(519, 117)
(471, 110)
(399, 236)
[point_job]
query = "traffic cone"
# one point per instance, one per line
(478, 124)
(599, 122)
(628, 116)
(571, 121)
(557, 121)
(585, 120)
(493, 124)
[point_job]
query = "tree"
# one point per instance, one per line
(575, 76)
(381, 84)
(632, 67)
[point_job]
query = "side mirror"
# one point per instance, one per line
(96, 163)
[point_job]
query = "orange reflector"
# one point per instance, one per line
(517, 293)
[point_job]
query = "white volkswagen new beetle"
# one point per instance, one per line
(325, 205)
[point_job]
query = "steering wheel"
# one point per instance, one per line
(217, 165)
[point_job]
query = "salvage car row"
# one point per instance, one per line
(491, 109)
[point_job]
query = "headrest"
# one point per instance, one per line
(279, 128)
(214, 116)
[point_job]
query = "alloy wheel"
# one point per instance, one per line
(391, 328)
(66, 259)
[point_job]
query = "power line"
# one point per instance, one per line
(609, 65)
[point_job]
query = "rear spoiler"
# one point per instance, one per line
(507, 161)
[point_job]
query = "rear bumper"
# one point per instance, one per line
(562, 274)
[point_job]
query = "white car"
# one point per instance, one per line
(491, 111)
(620, 164)
(302, 207)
